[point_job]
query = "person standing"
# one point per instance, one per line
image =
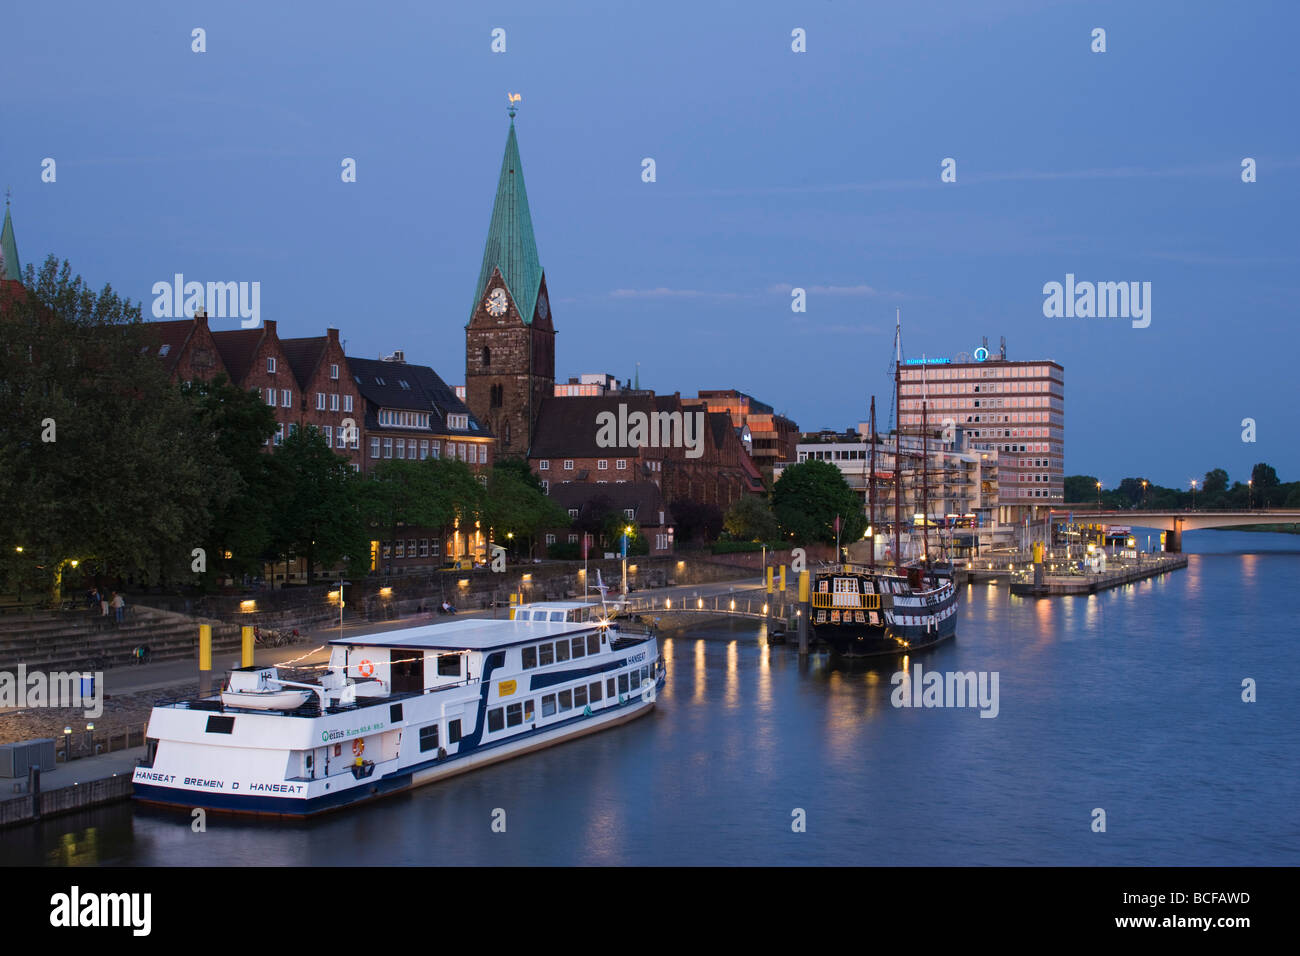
(118, 607)
(103, 604)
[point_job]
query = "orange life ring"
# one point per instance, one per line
(358, 747)
(365, 668)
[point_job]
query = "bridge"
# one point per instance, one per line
(1175, 522)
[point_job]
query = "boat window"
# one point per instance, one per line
(580, 696)
(579, 647)
(453, 731)
(566, 700)
(449, 665)
(593, 643)
(528, 710)
(514, 715)
(428, 738)
(846, 585)
(561, 650)
(609, 688)
(557, 615)
(523, 615)
(548, 705)
(545, 655)
(622, 683)
(645, 674)
(220, 725)
(530, 657)
(595, 692)
(394, 713)
(496, 720)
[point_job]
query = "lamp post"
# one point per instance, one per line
(67, 743)
(627, 534)
(1099, 496)
(1193, 494)
(1250, 494)
(1144, 492)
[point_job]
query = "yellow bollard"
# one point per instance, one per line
(783, 579)
(803, 587)
(246, 654)
(205, 647)
(769, 579)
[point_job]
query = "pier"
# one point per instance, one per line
(1054, 585)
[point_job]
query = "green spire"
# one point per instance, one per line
(9, 268)
(510, 243)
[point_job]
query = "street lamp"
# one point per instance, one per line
(1193, 494)
(1250, 493)
(1099, 496)
(1144, 492)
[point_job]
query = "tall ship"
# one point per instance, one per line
(906, 603)
(395, 710)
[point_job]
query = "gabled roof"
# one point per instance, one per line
(171, 337)
(9, 266)
(413, 387)
(566, 426)
(237, 348)
(510, 246)
(304, 356)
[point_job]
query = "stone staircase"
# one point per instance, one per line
(74, 640)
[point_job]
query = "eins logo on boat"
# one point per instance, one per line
(924, 688)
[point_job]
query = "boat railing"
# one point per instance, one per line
(851, 601)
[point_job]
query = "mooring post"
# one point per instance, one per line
(803, 613)
(205, 660)
(246, 646)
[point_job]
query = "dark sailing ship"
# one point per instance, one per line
(905, 606)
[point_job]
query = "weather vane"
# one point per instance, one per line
(512, 99)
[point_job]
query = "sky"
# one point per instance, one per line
(774, 170)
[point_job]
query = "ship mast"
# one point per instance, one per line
(925, 469)
(898, 427)
(871, 485)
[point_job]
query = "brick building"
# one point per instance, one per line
(330, 397)
(774, 436)
(639, 503)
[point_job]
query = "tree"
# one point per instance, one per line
(100, 458)
(514, 502)
(237, 424)
(1215, 482)
(1080, 488)
(1265, 484)
(319, 513)
(750, 518)
(807, 499)
(697, 521)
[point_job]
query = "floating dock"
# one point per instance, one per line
(1056, 585)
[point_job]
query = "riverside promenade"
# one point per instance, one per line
(1059, 584)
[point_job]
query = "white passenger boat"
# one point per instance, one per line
(398, 709)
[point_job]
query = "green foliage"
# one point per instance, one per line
(807, 499)
(319, 511)
(750, 518)
(736, 547)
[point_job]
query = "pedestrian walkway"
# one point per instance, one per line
(77, 772)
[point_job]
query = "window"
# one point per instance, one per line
(529, 655)
(548, 705)
(593, 645)
(428, 738)
(453, 731)
(334, 402)
(621, 464)
(279, 434)
(566, 700)
(347, 403)
(514, 714)
(568, 464)
(496, 720)
(629, 512)
(424, 448)
(602, 464)
(329, 437)
(293, 428)
(436, 449)
(543, 465)
(334, 372)
(609, 688)
(546, 487)
(594, 692)
(573, 539)
(482, 454)
(374, 448)
(579, 646)
(580, 696)
(286, 398)
(270, 365)
(622, 683)
(550, 539)
(448, 665)
(410, 547)
(320, 401)
(573, 512)
(401, 448)
(487, 357)
(528, 710)
(270, 397)
(424, 547)
(561, 651)
(401, 548)
(388, 448)
(545, 655)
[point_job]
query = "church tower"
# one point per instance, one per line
(510, 340)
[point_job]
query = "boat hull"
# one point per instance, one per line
(401, 780)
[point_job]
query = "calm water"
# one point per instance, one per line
(1129, 701)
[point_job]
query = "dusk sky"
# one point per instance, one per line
(774, 169)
